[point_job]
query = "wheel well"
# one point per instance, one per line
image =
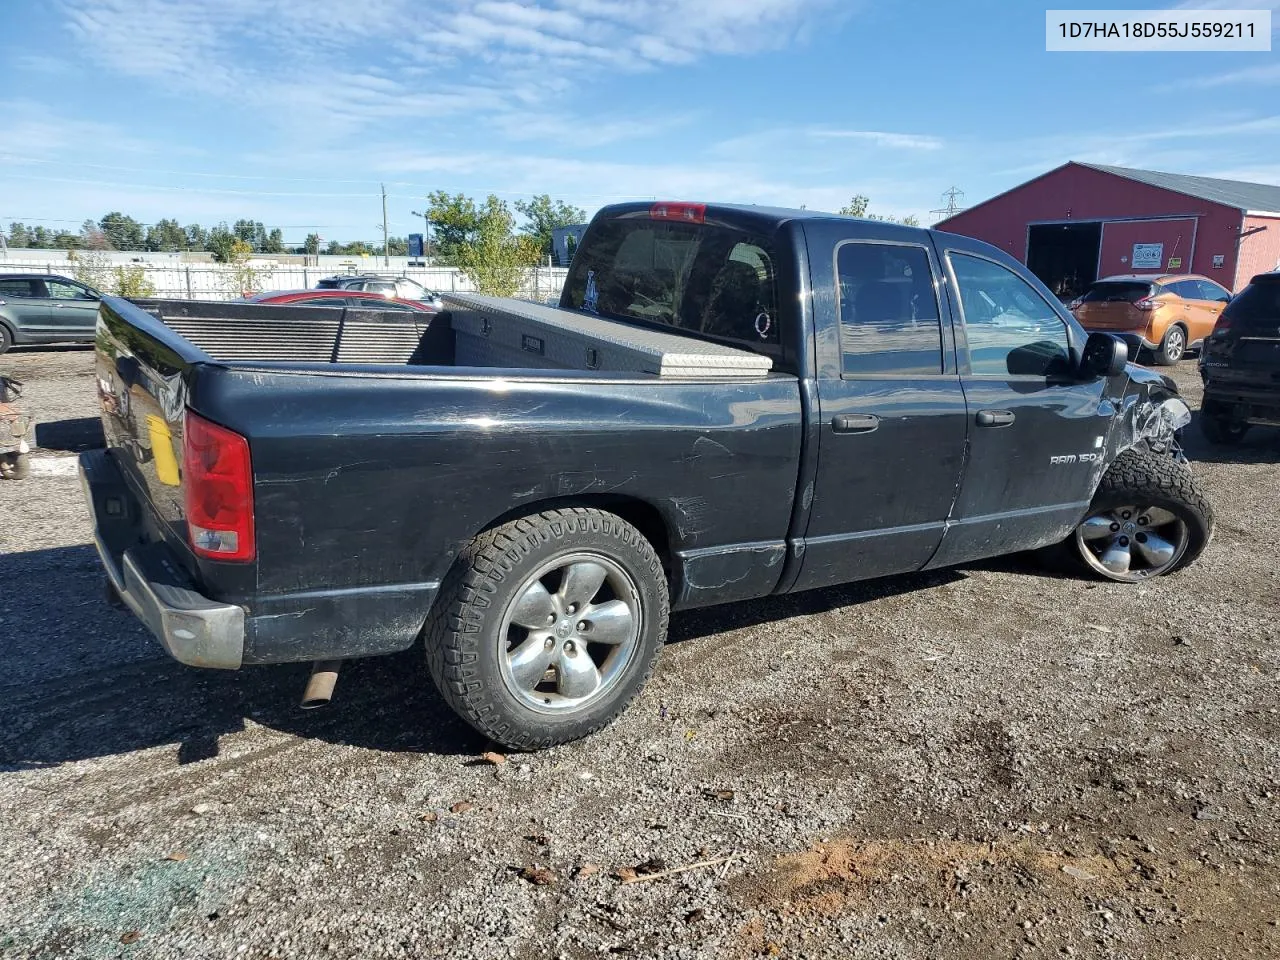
(642, 515)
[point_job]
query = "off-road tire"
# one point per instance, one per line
(462, 634)
(1151, 479)
(1161, 354)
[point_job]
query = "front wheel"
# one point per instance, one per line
(1149, 518)
(548, 626)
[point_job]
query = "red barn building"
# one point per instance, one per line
(1083, 221)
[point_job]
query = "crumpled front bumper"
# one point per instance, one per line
(192, 628)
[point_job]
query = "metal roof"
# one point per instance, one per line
(1249, 197)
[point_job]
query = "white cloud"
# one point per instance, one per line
(1264, 74)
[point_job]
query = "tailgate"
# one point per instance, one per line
(1111, 316)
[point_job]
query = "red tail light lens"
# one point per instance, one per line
(218, 481)
(1146, 303)
(688, 212)
(1222, 324)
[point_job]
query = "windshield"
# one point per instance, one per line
(1257, 305)
(1117, 292)
(703, 278)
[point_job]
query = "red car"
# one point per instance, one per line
(340, 298)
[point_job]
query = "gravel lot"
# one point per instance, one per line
(990, 762)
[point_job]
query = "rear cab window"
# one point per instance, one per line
(709, 279)
(1118, 291)
(1256, 307)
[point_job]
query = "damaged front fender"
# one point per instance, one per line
(1151, 415)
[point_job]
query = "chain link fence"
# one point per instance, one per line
(201, 281)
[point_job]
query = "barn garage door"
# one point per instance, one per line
(1147, 246)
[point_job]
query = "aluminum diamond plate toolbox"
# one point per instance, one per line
(492, 331)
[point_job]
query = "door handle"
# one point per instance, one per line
(854, 423)
(995, 418)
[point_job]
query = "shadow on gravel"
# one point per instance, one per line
(1260, 445)
(83, 433)
(80, 679)
(693, 624)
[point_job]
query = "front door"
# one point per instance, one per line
(1036, 434)
(73, 310)
(892, 414)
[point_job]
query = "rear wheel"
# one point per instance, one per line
(1173, 347)
(1221, 429)
(6, 338)
(548, 627)
(1148, 518)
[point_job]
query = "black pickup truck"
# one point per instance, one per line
(297, 487)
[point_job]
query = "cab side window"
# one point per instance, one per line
(61, 290)
(16, 288)
(1011, 329)
(1211, 291)
(889, 321)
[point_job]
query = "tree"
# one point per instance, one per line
(91, 267)
(66, 240)
(396, 247)
(543, 215)
(454, 221)
(857, 207)
(131, 281)
(122, 232)
(41, 238)
(274, 242)
(18, 236)
(220, 241)
(166, 235)
(495, 259)
(242, 279)
(197, 237)
(312, 244)
(92, 237)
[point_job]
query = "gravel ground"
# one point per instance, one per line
(988, 762)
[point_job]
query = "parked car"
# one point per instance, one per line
(924, 401)
(43, 308)
(401, 287)
(1167, 315)
(338, 298)
(1240, 364)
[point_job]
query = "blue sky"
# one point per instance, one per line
(292, 111)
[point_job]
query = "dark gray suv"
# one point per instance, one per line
(39, 308)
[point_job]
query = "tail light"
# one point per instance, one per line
(1075, 304)
(688, 212)
(1147, 303)
(1222, 325)
(218, 482)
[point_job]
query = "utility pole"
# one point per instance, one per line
(386, 251)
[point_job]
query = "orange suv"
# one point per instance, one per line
(1167, 315)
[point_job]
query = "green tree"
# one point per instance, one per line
(242, 279)
(543, 215)
(41, 238)
(166, 235)
(220, 241)
(66, 240)
(312, 244)
(454, 222)
(122, 232)
(132, 282)
(396, 247)
(92, 267)
(18, 236)
(197, 237)
(857, 207)
(274, 242)
(495, 259)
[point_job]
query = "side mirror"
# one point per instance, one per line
(1104, 356)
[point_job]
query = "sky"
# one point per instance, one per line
(293, 112)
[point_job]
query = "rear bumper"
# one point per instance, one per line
(1257, 406)
(192, 628)
(1134, 341)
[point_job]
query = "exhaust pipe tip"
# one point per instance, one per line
(319, 690)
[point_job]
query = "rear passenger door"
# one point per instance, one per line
(891, 412)
(23, 304)
(1036, 433)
